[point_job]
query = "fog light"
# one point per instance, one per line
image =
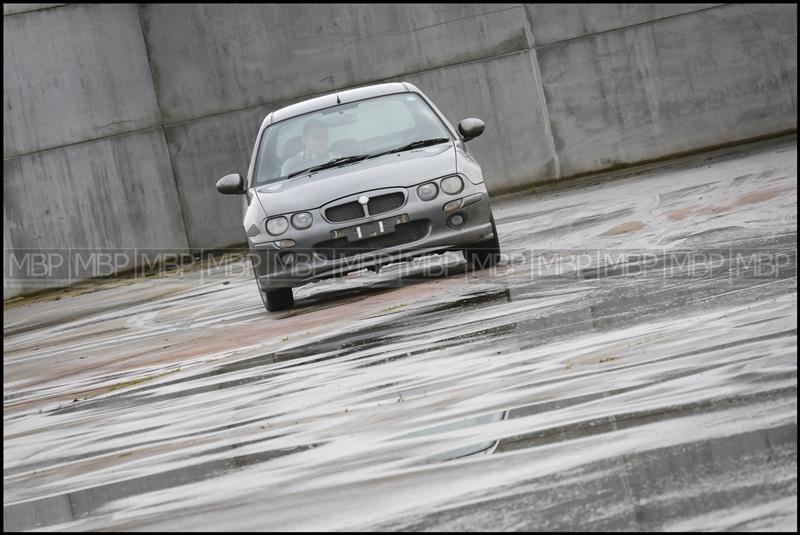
(456, 220)
(283, 244)
(452, 205)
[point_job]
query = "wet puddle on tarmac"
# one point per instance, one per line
(607, 399)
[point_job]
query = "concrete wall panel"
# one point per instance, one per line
(672, 86)
(13, 9)
(107, 195)
(214, 58)
(552, 23)
(203, 151)
(74, 73)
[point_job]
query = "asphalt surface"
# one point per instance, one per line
(631, 364)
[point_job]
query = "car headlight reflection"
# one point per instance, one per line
(277, 225)
(428, 191)
(452, 185)
(302, 220)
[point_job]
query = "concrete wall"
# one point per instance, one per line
(119, 118)
(85, 159)
(642, 92)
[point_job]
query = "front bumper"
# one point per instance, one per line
(309, 264)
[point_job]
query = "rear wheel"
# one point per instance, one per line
(484, 254)
(280, 299)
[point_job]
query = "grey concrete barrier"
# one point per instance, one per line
(118, 119)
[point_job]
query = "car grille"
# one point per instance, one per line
(385, 203)
(345, 212)
(403, 233)
(377, 205)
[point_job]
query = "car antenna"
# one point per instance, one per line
(338, 100)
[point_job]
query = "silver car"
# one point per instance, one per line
(359, 179)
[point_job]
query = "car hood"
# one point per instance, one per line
(403, 169)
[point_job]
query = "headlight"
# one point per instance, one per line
(452, 185)
(428, 191)
(302, 220)
(277, 225)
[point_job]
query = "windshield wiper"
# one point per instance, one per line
(413, 145)
(332, 163)
(344, 160)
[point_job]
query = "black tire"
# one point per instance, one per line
(484, 254)
(274, 300)
(280, 299)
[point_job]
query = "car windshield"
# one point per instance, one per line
(363, 128)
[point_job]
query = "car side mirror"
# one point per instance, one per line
(470, 128)
(231, 184)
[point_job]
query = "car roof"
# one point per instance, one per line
(326, 101)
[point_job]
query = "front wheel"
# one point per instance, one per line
(280, 299)
(484, 254)
(275, 300)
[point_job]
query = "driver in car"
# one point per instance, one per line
(316, 151)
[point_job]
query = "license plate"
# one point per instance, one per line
(369, 230)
